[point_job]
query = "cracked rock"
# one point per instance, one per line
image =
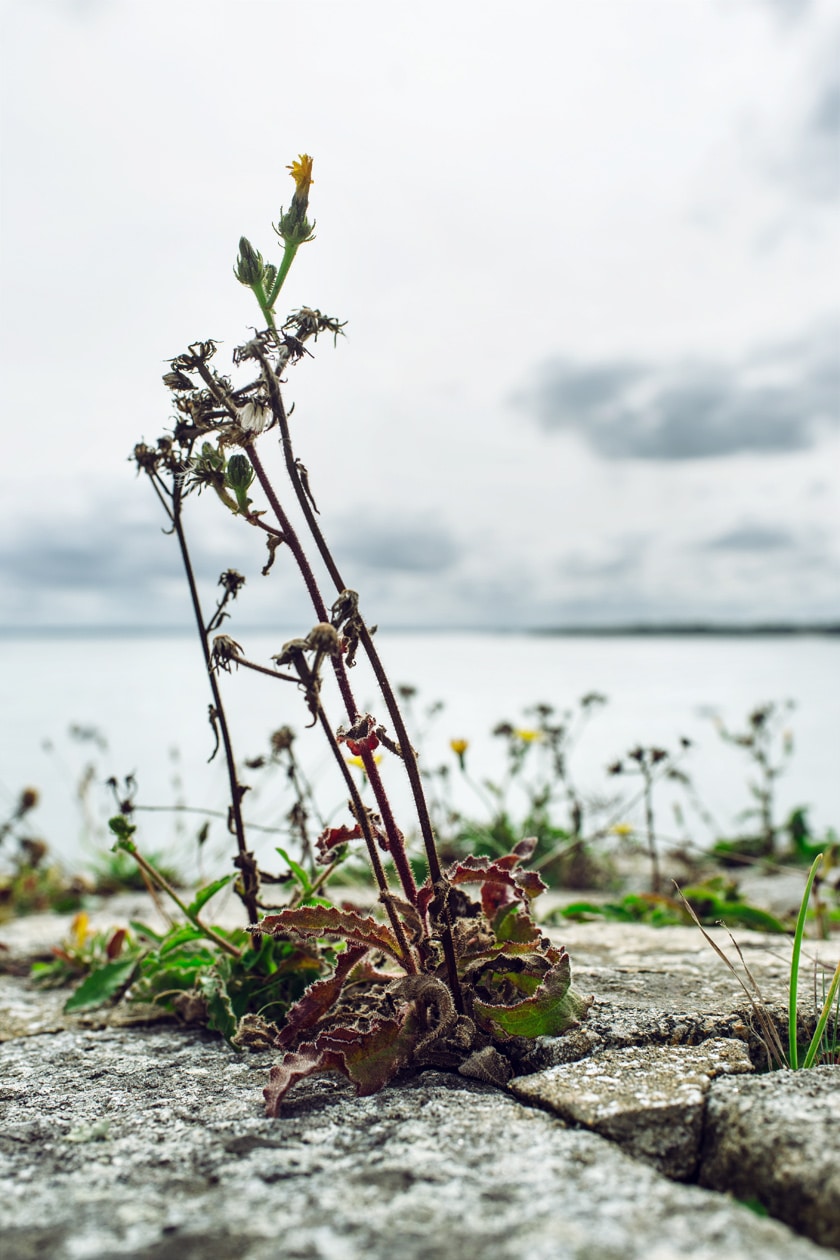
(649, 1099)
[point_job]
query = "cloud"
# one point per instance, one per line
(789, 10)
(778, 399)
(80, 556)
(407, 548)
(752, 538)
(815, 162)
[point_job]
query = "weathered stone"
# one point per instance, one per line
(650, 1100)
(776, 1138)
(152, 1143)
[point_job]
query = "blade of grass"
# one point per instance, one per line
(768, 1030)
(793, 1052)
(811, 1054)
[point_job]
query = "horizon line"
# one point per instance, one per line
(628, 629)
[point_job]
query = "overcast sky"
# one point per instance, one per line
(588, 254)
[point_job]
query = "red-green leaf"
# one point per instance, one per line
(318, 998)
(326, 921)
(553, 1008)
(500, 886)
(372, 1059)
(333, 838)
(293, 1067)
(369, 1059)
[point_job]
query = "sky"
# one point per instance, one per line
(588, 256)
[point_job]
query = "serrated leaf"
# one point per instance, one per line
(329, 921)
(101, 985)
(513, 924)
(369, 1059)
(373, 1058)
(334, 838)
(204, 894)
(553, 1008)
(501, 885)
(319, 997)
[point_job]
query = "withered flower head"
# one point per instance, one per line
(232, 581)
(324, 638)
(177, 380)
(253, 417)
(28, 800)
(281, 740)
(290, 652)
(224, 650)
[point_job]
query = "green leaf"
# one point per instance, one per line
(220, 1016)
(553, 1008)
(143, 929)
(204, 894)
(180, 936)
(101, 985)
(296, 869)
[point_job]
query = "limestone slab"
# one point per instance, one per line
(777, 1138)
(649, 1099)
(152, 1143)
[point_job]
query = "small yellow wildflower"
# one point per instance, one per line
(302, 172)
(459, 747)
(527, 736)
(623, 829)
(79, 929)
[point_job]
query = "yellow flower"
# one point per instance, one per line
(459, 747)
(302, 172)
(622, 829)
(79, 929)
(528, 737)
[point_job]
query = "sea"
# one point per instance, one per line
(80, 709)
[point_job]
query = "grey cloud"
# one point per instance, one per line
(398, 547)
(81, 556)
(752, 538)
(789, 10)
(776, 400)
(816, 161)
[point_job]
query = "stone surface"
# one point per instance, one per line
(151, 1143)
(651, 1100)
(777, 1138)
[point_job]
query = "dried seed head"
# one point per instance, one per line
(291, 652)
(253, 417)
(282, 739)
(324, 638)
(224, 650)
(232, 581)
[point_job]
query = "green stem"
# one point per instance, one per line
(282, 271)
(165, 886)
(793, 1052)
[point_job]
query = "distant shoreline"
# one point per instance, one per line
(631, 630)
